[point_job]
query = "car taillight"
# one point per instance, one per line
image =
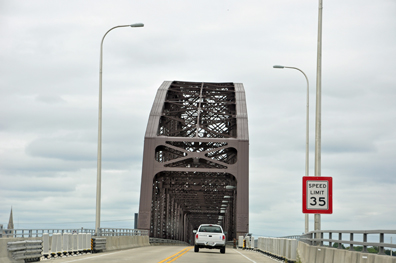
(223, 237)
(196, 236)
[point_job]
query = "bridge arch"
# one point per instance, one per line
(196, 160)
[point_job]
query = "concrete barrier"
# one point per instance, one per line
(281, 248)
(112, 243)
(293, 248)
(125, 242)
(339, 256)
(319, 254)
(385, 259)
(329, 257)
(312, 254)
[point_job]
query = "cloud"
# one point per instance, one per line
(49, 99)
(50, 87)
(57, 148)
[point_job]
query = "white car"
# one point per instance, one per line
(210, 236)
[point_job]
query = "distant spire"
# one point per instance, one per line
(11, 221)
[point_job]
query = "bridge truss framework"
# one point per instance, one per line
(196, 160)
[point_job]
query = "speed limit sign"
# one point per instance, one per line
(317, 195)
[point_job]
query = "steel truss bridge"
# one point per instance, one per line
(195, 161)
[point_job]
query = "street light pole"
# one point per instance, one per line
(306, 137)
(99, 162)
(318, 121)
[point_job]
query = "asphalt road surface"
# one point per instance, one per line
(166, 254)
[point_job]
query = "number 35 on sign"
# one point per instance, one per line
(317, 195)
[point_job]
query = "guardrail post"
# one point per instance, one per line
(315, 235)
(339, 240)
(351, 239)
(330, 237)
(321, 237)
(364, 241)
(381, 250)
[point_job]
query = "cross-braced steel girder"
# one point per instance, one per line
(196, 160)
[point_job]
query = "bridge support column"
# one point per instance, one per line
(185, 227)
(168, 216)
(173, 218)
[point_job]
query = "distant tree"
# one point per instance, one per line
(358, 248)
(373, 250)
(336, 245)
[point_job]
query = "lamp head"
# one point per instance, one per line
(137, 25)
(278, 66)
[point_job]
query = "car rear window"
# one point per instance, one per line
(212, 229)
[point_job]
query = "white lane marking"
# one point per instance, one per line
(245, 256)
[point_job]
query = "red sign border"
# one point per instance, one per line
(304, 194)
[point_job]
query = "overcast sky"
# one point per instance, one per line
(49, 78)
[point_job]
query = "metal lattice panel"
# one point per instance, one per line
(165, 154)
(201, 194)
(199, 110)
(228, 155)
(198, 146)
(195, 164)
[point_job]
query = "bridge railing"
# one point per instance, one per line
(292, 237)
(102, 232)
(40, 232)
(319, 237)
(154, 241)
(122, 232)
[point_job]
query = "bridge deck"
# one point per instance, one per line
(179, 254)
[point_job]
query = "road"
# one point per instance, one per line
(166, 254)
